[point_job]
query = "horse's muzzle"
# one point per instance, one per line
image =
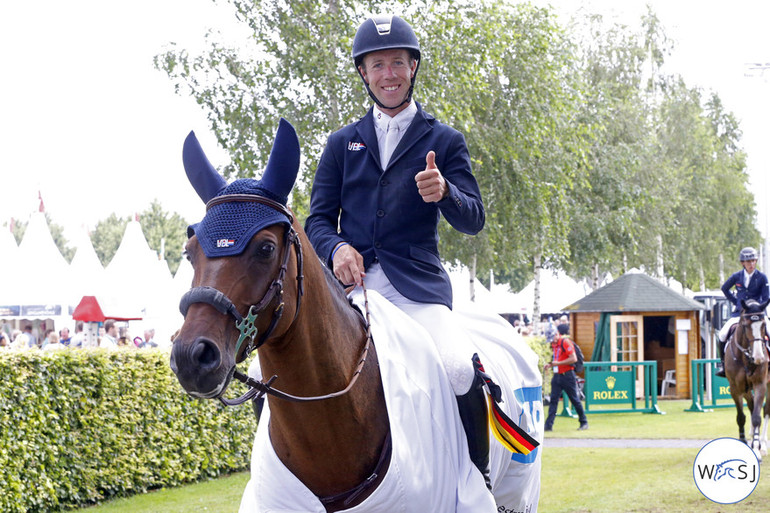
(199, 367)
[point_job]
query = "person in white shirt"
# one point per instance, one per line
(110, 338)
(53, 344)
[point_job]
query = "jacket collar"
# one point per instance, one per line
(421, 125)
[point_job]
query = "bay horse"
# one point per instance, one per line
(746, 369)
(356, 425)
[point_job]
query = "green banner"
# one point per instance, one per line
(720, 387)
(610, 387)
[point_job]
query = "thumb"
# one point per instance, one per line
(430, 160)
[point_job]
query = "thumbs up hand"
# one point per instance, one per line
(430, 183)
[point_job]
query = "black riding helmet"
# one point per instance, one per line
(385, 32)
(748, 253)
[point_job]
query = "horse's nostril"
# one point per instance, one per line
(205, 353)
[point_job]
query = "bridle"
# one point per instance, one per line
(753, 317)
(247, 325)
(224, 305)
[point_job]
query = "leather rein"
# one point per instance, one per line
(247, 326)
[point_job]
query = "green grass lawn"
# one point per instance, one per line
(573, 479)
(221, 495)
(676, 423)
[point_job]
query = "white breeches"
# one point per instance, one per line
(734, 320)
(449, 337)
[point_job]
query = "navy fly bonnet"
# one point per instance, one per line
(228, 227)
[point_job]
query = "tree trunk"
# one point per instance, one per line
(536, 304)
(595, 277)
(472, 279)
(721, 268)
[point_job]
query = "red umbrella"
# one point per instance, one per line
(88, 310)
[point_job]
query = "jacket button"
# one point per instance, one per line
(384, 182)
(377, 245)
(380, 213)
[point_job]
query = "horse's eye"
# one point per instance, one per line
(265, 249)
(186, 254)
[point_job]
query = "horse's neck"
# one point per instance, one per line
(330, 445)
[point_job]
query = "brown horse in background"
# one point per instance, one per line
(746, 368)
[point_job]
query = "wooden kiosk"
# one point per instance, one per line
(637, 318)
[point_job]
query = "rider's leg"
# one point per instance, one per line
(721, 345)
(456, 354)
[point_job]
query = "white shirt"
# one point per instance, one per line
(747, 278)
(400, 122)
(108, 341)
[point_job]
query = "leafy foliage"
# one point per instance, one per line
(81, 426)
(57, 234)
(160, 228)
(107, 235)
(167, 230)
(588, 156)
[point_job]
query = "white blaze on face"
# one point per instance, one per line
(756, 347)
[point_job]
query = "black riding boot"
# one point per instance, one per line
(473, 414)
(721, 365)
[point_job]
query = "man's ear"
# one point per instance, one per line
(362, 71)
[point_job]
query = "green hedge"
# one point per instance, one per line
(81, 426)
(544, 353)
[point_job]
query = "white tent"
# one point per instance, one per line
(506, 302)
(557, 290)
(36, 283)
(460, 277)
(138, 284)
(9, 251)
(86, 270)
(43, 271)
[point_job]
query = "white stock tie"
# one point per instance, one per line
(389, 144)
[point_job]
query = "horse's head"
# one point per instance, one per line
(754, 331)
(240, 253)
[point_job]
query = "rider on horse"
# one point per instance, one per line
(749, 284)
(381, 186)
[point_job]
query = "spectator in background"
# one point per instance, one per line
(53, 343)
(47, 338)
(564, 378)
(149, 338)
(110, 337)
(4, 342)
(29, 338)
(18, 340)
(64, 336)
(124, 339)
(550, 331)
(77, 339)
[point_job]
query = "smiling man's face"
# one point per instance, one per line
(389, 75)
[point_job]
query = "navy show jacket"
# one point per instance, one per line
(381, 213)
(757, 289)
